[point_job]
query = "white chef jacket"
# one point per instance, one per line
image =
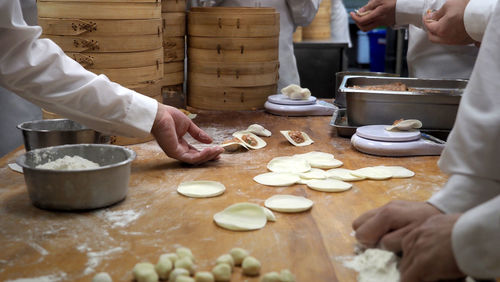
(293, 13)
(426, 59)
(472, 157)
(39, 71)
(339, 22)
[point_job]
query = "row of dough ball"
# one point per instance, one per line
(179, 267)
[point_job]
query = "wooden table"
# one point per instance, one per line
(154, 219)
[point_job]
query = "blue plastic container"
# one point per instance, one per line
(363, 48)
(377, 49)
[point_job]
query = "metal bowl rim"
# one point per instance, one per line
(20, 126)
(131, 157)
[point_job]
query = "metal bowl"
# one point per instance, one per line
(77, 189)
(53, 132)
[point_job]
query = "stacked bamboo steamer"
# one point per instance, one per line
(119, 38)
(319, 28)
(232, 57)
(297, 35)
(174, 34)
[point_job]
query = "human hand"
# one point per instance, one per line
(375, 13)
(428, 253)
(446, 25)
(387, 225)
(170, 126)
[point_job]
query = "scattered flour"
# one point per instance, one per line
(375, 265)
(69, 163)
(48, 278)
(95, 258)
(119, 218)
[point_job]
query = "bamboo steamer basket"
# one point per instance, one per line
(297, 35)
(95, 9)
(173, 6)
(173, 73)
(229, 98)
(173, 49)
(233, 22)
(118, 60)
(234, 74)
(75, 27)
(132, 76)
(319, 28)
(150, 88)
(174, 24)
(92, 43)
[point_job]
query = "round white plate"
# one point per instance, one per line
(378, 133)
(284, 100)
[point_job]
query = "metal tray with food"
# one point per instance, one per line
(382, 100)
(341, 123)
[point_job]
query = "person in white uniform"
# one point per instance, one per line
(425, 59)
(39, 71)
(339, 21)
(456, 232)
(293, 13)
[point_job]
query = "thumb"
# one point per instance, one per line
(432, 15)
(370, 6)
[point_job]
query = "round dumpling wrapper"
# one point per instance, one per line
(328, 185)
(241, 217)
(201, 189)
(288, 203)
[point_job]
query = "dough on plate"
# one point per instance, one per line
(241, 217)
(297, 138)
(295, 92)
(343, 174)
(276, 179)
(320, 159)
(398, 171)
(373, 172)
(288, 164)
(250, 140)
(328, 185)
(288, 203)
(201, 189)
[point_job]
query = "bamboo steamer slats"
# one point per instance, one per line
(132, 75)
(319, 28)
(174, 24)
(229, 98)
(118, 60)
(75, 27)
(117, 10)
(173, 6)
(92, 43)
(233, 57)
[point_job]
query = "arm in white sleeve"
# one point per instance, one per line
(476, 17)
(303, 11)
(476, 240)
(39, 71)
(409, 12)
(462, 193)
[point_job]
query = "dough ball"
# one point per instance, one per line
(238, 255)
(171, 256)
(145, 272)
(183, 279)
(184, 252)
(222, 272)
(286, 276)
(227, 258)
(204, 276)
(176, 273)
(251, 266)
(185, 263)
(163, 267)
(271, 277)
(102, 277)
(293, 91)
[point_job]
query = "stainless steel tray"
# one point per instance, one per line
(344, 129)
(432, 101)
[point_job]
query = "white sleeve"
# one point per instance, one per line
(409, 12)
(39, 71)
(462, 193)
(475, 240)
(303, 11)
(476, 17)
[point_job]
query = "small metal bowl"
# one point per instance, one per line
(54, 132)
(77, 189)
